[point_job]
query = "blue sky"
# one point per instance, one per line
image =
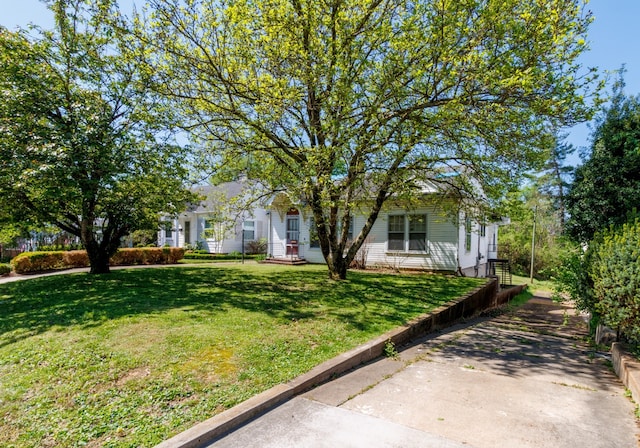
(614, 38)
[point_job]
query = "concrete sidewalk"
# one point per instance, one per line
(522, 379)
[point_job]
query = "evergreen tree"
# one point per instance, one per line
(606, 188)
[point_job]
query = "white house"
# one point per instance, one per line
(215, 224)
(422, 237)
(419, 237)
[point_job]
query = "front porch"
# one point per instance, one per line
(289, 261)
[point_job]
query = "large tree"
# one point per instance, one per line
(554, 180)
(346, 103)
(78, 147)
(606, 187)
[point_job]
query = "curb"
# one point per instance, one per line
(476, 301)
(627, 367)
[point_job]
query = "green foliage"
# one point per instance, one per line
(5, 268)
(31, 262)
(615, 271)
(607, 186)
(81, 144)
(390, 350)
(132, 358)
(258, 246)
(59, 247)
(573, 282)
(515, 239)
(330, 101)
(28, 262)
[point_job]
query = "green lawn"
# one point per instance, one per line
(543, 286)
(134, 357)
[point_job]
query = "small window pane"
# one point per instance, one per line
(396, 233)
(249, 230)
(314, 241)
(418, 232)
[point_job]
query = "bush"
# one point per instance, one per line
(59, 247)
(615, 271)
(76, 259)
(147, 255)
(5, 268)
(256, 246)
(199, 256)
(29, 262)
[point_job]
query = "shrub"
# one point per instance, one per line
(76, 259)
(28, 262)
(5, 268)
(147, 255)
(615, 271)
(256, 246)
(59, 247)
(199, 256)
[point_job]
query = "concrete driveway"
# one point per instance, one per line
(522, 379)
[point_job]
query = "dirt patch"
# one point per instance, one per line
(135, 374)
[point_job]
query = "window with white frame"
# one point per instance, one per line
(167, 227)
(407, 233)
(314, 241)
(467, 234)
(249, 229)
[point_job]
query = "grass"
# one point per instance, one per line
(134, 357)
(544, 286)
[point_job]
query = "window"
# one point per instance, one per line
(314, 241)
(187, 232)
(418, 232)
(249, 229)
(350, 231)
(483, 230)
(396, 232)
(407, 233)
(467, 234)
(167, 226)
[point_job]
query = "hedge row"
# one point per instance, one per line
(29, 262)
(208, 256)
(4, 268)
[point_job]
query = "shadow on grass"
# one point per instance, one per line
(365, 301)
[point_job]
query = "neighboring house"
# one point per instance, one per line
(214, 224)
(422, 237)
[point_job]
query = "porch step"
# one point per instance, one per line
(286, 261)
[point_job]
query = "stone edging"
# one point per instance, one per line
(478, 300)
(627, 367)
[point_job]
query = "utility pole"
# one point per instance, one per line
(533, 242)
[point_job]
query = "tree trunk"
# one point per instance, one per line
(338, 269)
(99, 262)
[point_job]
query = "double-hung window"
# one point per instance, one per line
(249, 229)
(407, 233)
(314, 240)
(467, 234)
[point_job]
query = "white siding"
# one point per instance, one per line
(441, 241)
(232, 243)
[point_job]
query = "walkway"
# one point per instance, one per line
(523, 379)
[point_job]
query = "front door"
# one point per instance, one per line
(293, 233)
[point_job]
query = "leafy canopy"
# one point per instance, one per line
(606, 187)
(79, 146)
(346, 103)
